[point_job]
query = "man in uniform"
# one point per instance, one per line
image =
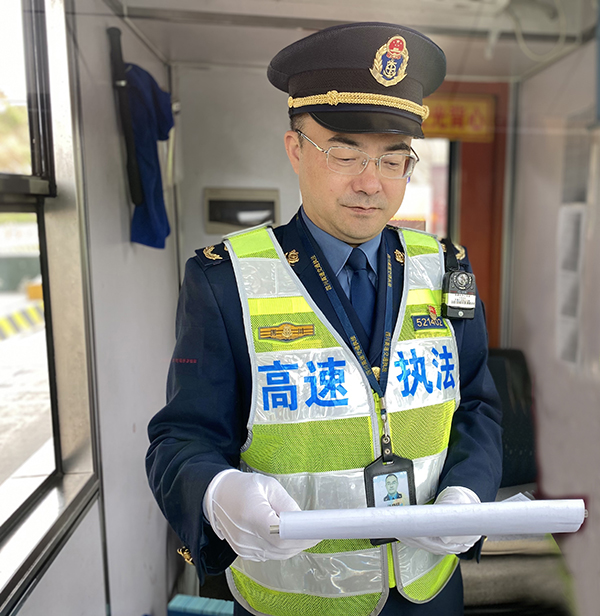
(312, 358)
(391, 485)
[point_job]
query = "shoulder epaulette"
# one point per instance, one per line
(461, 253)
(459, 250)
(212, 255)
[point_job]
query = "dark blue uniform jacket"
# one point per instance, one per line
(203, 426)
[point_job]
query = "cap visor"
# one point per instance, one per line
(368, 122)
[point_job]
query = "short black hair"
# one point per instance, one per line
(297, 121)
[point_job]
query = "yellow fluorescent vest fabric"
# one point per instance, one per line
(314, 425)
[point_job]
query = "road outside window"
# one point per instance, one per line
(26, 444)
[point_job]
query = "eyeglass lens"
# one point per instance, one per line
(348, 161)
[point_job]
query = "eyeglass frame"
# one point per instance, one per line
(377, 159)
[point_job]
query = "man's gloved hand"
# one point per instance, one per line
(241, 507)
(452, 495)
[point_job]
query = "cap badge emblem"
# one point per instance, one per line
(391, 59)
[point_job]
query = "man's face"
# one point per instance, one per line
(353, 208)
(391, 485)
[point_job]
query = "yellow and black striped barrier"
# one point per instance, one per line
(23, 320)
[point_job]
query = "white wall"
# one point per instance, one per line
(134, 297)
(74, 583)
(567, 400)
(232, 125)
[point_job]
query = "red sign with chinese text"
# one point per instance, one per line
(460, 117)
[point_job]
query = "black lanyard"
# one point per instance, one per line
(316, 257)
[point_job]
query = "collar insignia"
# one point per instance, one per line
(285, 332)
(376, 371)
(292, 257)
(391, 59)
(399, 256)
(209, 254)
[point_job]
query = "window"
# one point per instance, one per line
(425, 204)
(26, 441)
(47, 468)
(26, 165)
(15, 151)
(27, 446)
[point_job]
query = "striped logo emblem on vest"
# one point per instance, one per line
(286, 332)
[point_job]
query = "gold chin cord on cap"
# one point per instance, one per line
(333, 97)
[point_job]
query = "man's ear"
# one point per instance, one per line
(291, 140)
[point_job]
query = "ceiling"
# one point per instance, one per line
(483, 39)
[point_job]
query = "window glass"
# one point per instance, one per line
(425, 204)
(26, 443)
(15, 147)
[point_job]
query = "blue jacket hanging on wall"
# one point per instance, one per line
(152, 119)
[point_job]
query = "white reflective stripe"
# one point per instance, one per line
(422, 373)
(427, 472)
(236, 264)
(309, 385)
(412, 563)
(332, 490)
(321, 575)
(266, 278)
(346, 489)
(457, 393)
(425, 272)
(401, 312)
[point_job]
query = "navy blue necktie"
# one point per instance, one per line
(362, 292)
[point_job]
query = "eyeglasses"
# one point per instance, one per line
(349, 161)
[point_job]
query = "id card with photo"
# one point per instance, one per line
(390, 484)
(391, 490)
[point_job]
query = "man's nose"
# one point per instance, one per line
(369, 181)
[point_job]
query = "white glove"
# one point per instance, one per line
(241, 508)
(452, 495)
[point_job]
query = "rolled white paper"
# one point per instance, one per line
(504, 518)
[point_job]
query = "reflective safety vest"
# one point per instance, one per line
(315, 425)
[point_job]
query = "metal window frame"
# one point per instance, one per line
(76, 485)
